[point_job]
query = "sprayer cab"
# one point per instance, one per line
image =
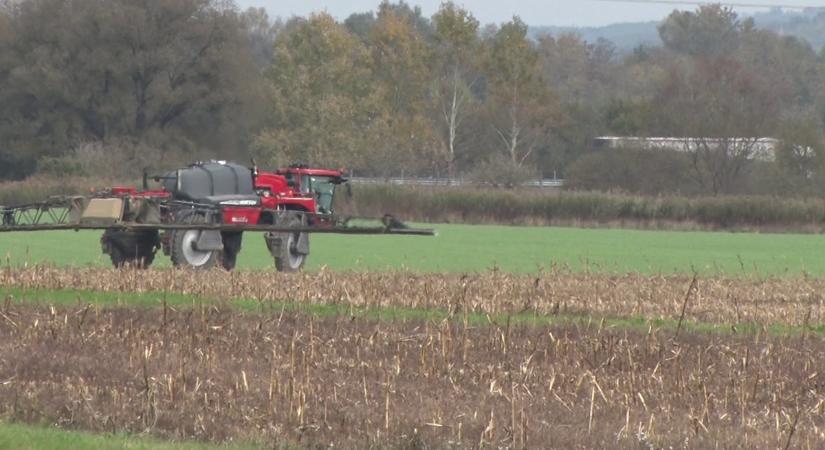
(315, 187)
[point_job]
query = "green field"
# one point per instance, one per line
(21, 436)
(463, 248)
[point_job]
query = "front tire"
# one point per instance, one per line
(231, 248)
(184, 253)
(285, 248)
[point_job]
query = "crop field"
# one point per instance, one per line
(216, 374)
(753, 302)
(550, 338)
(559, 359)
(463, 248)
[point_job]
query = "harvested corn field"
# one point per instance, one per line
(216, 374)
(788, 301)
(482, 360)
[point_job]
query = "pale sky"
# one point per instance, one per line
(533, 12)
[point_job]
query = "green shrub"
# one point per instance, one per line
(531, 206)
(639, 171)
(36, 189)
(60, 167)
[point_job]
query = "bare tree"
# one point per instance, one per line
(719, 162)
(522, 108)
(721, 111)
(456, 36)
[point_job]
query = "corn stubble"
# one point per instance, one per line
(760, 301)
(217, 373)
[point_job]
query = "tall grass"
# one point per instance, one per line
(528, 206)
(37, 189)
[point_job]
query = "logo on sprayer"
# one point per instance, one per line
(240, 219)
(239, 202)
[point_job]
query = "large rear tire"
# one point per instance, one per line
(130, 248)
(184, 252)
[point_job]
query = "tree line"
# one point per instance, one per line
(106, 85)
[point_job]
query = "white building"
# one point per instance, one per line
(760, 149)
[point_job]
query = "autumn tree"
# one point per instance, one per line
(320, 95)
(11, 162)
(578, 71)
(171, 74)
(402, 132)
(521, 107)
(360, 24)
(455, 42)
(712, 98)
(785, 61)
(801, 153)
(721, 110)
(412, 15)
(712, 30)
(391, 91)
(583, 76)
(261, 32)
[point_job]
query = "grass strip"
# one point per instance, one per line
(14, 436)
(71, 297)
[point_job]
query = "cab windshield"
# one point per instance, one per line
(324, 190)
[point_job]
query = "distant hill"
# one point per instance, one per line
(626, 36)
(808, 25)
